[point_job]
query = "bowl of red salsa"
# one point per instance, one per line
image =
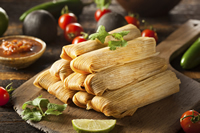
(20, 51)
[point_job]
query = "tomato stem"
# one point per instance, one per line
(10, 89)
(136, 15)
(85, 35)
(194, 119)
(71, 35)
(146, 24)
(65, 10)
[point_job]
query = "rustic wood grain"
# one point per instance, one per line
(151, 118)
(164, 25)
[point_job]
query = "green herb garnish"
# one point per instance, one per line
(102, 33)
(37, 112)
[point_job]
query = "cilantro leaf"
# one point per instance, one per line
(123, 33)
(121, 42)
(100, 35)
(40, 102)
(124, 43)
(120, 35)
(57, 107)
(25, 111)
(52, 112)
(27, 103)
(31, 114)
(117, 36)
(114, 44)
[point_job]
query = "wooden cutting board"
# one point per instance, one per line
(159, 117)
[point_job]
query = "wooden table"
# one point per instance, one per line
(165, 25)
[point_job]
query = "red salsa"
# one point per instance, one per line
(19, 47)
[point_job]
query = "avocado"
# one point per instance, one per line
(40, 24)
(111, 21)
(4, 21)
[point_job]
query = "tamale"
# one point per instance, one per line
(70, 52)
(75, 81)
(44, 80)
(81, 98)
(63, 94)
(118, 76)
(126, 100)
(98, 60)
(61, 68)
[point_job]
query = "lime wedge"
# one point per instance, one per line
(93, 126)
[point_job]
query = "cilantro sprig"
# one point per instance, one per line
(39, 105)
(101, 34)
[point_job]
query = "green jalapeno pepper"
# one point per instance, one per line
(55, 7)
(191, 58)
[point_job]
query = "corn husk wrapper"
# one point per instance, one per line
(72, 51)
(126, 100)
(44, 80)
(118, 76)
(98, 60)
(63, 94)
(81, 98)
(75, 81)
(61, 69)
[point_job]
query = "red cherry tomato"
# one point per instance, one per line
(133, 20)
(78, 39)
(4, 96)
(150, 33)
(190, 121)
(66, 19)
(72, 30)
(99, 13)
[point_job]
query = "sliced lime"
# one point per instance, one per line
(3, 21)
(93, 126)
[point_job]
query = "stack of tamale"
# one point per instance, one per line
(114, 82)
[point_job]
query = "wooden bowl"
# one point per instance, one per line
(22, 62)
(148, 8)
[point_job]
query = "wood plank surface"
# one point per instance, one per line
(160, 117)
(164, 25)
